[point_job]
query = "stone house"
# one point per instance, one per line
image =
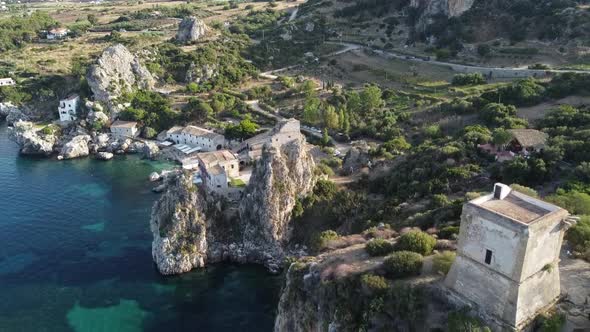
(124, 129)
(507, 257)
(193, 136)
(284, 132)
(217, 168)
(68, 108)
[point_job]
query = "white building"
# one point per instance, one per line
(217, 169)
(68, 108)
(7, 81)
(57, 33)
(193, 136)
(124, 129)
(284, 132)
(507, 257)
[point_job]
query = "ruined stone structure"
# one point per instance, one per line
(507, 257)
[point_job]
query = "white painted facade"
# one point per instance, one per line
(68, 108)
(7, 82)
(194, 136)
(124, 129)
(508, 255)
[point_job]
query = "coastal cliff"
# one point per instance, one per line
(192, 228)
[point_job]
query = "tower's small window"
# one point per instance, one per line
(488, 257)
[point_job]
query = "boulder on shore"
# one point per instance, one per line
(191, 29)
(77, 147)
(150, 150)
(104, 156)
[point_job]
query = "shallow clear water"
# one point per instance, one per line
(75, 255)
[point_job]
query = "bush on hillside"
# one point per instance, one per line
(403, 264)
(379, 247)
(444, 261)
(416, 241)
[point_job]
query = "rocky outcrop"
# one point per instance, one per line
(432, 8)
(449, 8)
(12, 113)
(97, 117)
(31, 141)
(150, 150)
(281, 176)
(192, 228)
(116, 71)
(179, 226)
(191, 29)
(200, 74)
(77, 147)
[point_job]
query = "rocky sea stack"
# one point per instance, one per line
(191, 29)
(192, 228)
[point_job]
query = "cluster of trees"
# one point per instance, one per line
(357, 113)
(468, 79)
(18, 30)
(150, 109)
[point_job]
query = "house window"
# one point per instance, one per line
(488, 257)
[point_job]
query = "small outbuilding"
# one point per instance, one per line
(124, 129)
(527, 140)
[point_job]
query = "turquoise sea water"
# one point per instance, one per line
(75, 255)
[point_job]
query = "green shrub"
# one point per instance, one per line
(403, 264)
(552, 323)
(373, 284)
(459, 321)
(323, 169)
(416, 241)
(379, 247)
(448, 232)
(579, 235)
(443, 261)
(322, 239)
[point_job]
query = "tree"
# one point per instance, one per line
(501, 137)
(476, 134)
(308, 87)
(331, 120)
(92, 19)
(484, 50)
(245, 129)
(325, 138)
(197, 110)
(370, 98)
(311, 110)
(397, 145)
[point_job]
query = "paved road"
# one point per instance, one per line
(497, 71)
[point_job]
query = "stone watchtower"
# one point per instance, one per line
(507, 257)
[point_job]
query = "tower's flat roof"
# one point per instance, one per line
(515, 208)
